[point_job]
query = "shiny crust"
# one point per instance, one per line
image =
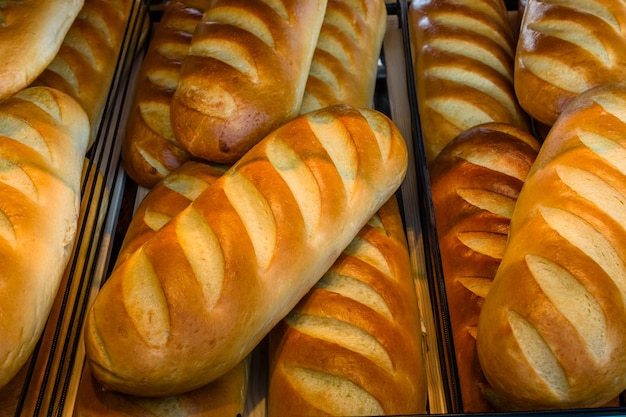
(43, 139)
(475, 181)
(150, 150)
(32, 32)
(367, 295)
(244, 75)
(345, 62)
(566, 48)
(463, 53)
(552, 333)
(243, 253)
(85, 64)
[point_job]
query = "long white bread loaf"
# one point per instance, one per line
(244, 75)
(552, 331)
(224, 397)
(197, 297)
(463, 53)
(43, 139)
(475, 182)
(566, 48)
(353, 345)
(150, 150)
(85, 63)
(345, 62)
(32, 32)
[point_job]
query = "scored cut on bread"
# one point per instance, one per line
(551, 333)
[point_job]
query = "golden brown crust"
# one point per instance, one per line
(475, 181)
(565, 49)
(345, 62)
(85, 63)
(165, 200)
(551, 333)
(43, 137)
(244, 75)
(285, 210)
(368, 294)
(463, 56)
(32, 32)
(150, 150)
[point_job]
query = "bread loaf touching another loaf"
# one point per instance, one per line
(345, 62)
(463, 53)
(32, 32)
(244, 75)
(223, 397)
(43, 139)
(475, 181)
(552, 331)
(566, 48)
(85, 63)
(352, 345)
(243, 253)
(150, 150)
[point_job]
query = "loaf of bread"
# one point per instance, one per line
(475, 181)
(32, 32)
(43, 139)
(565, 49)
(345, 63)
(244, 75)
(463, 56)
(85, 63)
(196, 298)
(353, 345)
(224, 397)
(150, 150)
(552, 331)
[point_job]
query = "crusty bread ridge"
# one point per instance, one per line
(245, 74)
(463, 54)
(345, 62)
(150, 150)
(85, 63)
(43, 139)
(353, 345)
(475, 181)
(243, 253)
(566, 48)
(32, 32)
(552, 331)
